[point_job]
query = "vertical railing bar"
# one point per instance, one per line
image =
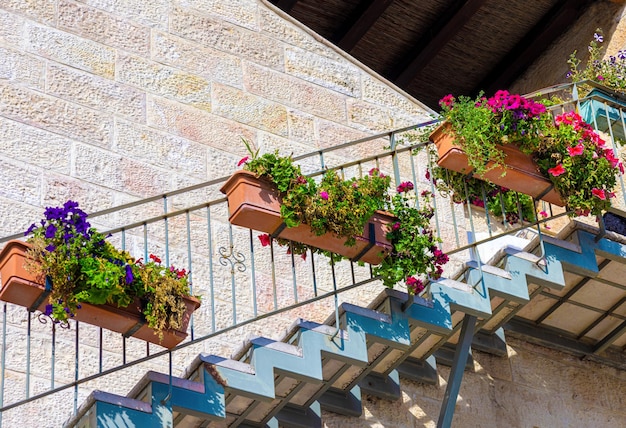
(100, 351)
(145, 255)
(335, 296)
(189, 268)
(313, 273)
(76, 367)
(621, 177)
(211, 278)
(166, 227)
(487, 217)
(613, 145)
(394, 158)
(253, 275)
(435, 204)
(293, 273)
(101, 332)
(233, 292)
(54, 332)
(28, 340)
(273, 266)
(3, 358)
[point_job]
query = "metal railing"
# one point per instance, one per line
(241, 283)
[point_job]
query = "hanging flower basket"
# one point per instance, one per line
(255, 203)
(20, 287)
(520, 173)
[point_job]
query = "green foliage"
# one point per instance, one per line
(85, 268)
(343, 207)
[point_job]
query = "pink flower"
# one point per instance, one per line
(557, 170)
(265, 239)
(600, 77)
(404, 187)
(448, 101)
(415, 285)
(427, 174)
(621, 167)
(543, 214)
(374, 171)
(577, 150)
(598, 193)
(303, 255)
(301, 180)
(243, 160)
(396, 226)
(324, 195)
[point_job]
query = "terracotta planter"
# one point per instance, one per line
(522, 174)
(22, 288)
(19, 286)
(254, 203)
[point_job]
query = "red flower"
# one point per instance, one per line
(265, 239)
(243, 160)
(155, 258)
(404, 187)
(598, 193)
(557, 170)
(448, 100)
(415, 284)
(577, 150)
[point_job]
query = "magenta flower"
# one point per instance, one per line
(243, 160)
(404, 187)
(324, 195)
(396, 226)
(543, 214)
(576, 150)
(598, 193)
(415, 284)
(557, 170)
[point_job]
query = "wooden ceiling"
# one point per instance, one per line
(431, 48)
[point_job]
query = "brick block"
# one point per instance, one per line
(194, 58)
(166, 81)
(41, 10)
(11, 26)
(370, 116)
(96, 92)
(21, 183)
(249, 109)
(59, 188)
(152, 13)
(160, 149)
(292, 33)
(225, 37)
(240, 12)
(198, 125)
(119, 173)
(301, 126)
(377, 92)
(71, 50)
(35, 146)
(22, 69)
(294, 92)
(340, 76)
(52, 114)
(102, 27)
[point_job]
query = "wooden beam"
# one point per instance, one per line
(532, 45)
(451, 23)
(349, 35)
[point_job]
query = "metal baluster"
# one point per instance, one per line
(211, 282)
(189, 268)
(253, 276)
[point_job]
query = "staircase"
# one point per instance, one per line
(288, 382)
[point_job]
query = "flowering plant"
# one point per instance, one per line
(566, 149)
(343, 207)
(85, 268)
(499, 201)
(610, 72)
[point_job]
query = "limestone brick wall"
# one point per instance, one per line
(532, 387)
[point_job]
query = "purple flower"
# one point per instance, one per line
(30, 229)
(621, 54)
(598, 37)
(324, 195)
(50, 248)
(48, 310)
(51, 230)
(129, 274)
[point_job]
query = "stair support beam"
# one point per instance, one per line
(456, 374)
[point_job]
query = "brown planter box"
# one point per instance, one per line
(22, 288)
(522, 174)
(254, 203)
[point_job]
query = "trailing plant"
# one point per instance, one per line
(342, 207)
(567, 150)
(610, 72)
(83, 267)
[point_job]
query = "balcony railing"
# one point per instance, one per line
(241, 283)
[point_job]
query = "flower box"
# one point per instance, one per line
(20, 287)
(255, 203)
(522, 174)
